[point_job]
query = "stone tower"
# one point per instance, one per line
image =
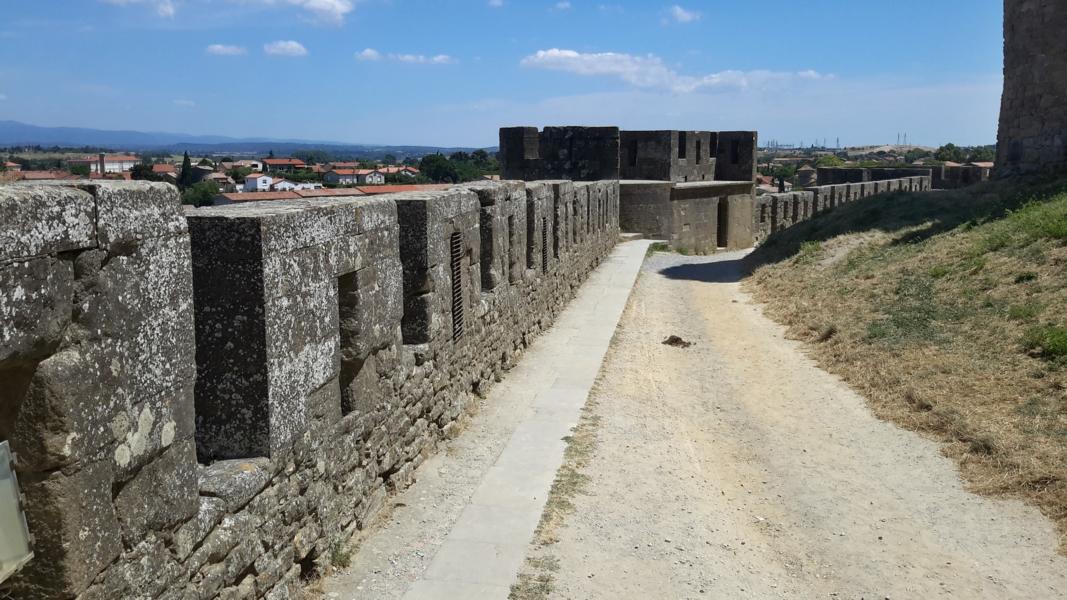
(1033, 113)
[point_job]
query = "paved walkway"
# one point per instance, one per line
(462, 530)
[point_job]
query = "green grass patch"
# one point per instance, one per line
(1046, 341)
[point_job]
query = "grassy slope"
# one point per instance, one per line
(946, 310)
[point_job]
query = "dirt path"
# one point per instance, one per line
(737, 469)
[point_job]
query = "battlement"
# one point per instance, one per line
(777, 212)
(205, 400)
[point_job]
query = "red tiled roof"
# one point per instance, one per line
(283, 161)
(258, 196)
(328, 192)
(395, 189)
(164, 168)
(984, 165)
(43, 175)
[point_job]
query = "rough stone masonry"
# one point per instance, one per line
(1033, 114)
(207, 403)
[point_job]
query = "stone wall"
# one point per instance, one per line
(736, 153)
(572, 153)
(208, 404)
(777, 212)
(1033, 114)
(678, 156)
(691, 217)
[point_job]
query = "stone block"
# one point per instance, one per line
(162, 494)
(75, 528)
(44, 219)
(234, 482)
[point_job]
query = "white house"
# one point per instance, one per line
(258, 182)
(255, 165)
(107, 163)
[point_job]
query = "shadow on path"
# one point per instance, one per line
(713, 271)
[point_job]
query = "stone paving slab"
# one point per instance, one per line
(482, 554)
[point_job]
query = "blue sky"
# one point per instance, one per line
(451, 72)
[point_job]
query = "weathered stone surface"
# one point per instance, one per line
(129, 211)
(36, 302)
(39, 220)
(1033, 113)
(161, 495)
(235, 482)
(188, 537)
(75, 528)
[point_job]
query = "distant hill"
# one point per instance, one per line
(14, 133)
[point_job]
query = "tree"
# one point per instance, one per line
(982, 154)
(206, 163)
(389, 159)
(144, 172)
(200, 194)
(439, 169)
(239, 173)
(915, 154)
(185, 179)
(80, 170)
(480, 158)
(271, 154)
(829, 161)
(950, 152)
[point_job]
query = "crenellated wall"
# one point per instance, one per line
(777, 212)
(208, 402)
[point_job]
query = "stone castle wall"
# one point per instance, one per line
(209, 402)
(1033, 114)
(777, 212)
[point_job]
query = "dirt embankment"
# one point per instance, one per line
(947, 311)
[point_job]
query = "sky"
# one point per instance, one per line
(452, 72)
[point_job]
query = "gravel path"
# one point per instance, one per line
(736, 468)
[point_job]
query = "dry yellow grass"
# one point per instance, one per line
(947, 311)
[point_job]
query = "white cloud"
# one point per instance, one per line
(564, 5)
(681, 15)
(440, 59)
(650, 72)
(369, 54)
(225, 50)
(331, 12)
(496, 3)
(164, 8)
(285, 48)
(325, 11)
(184, 103)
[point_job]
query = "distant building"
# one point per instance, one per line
(12, 166)
(806, 176)
(354, 177)
(410, 172)
(258, 182)
(285, 165)
(164, 169)
(107, 163)
(255, 165)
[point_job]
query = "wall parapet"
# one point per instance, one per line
(777, 212)
(208, 401)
